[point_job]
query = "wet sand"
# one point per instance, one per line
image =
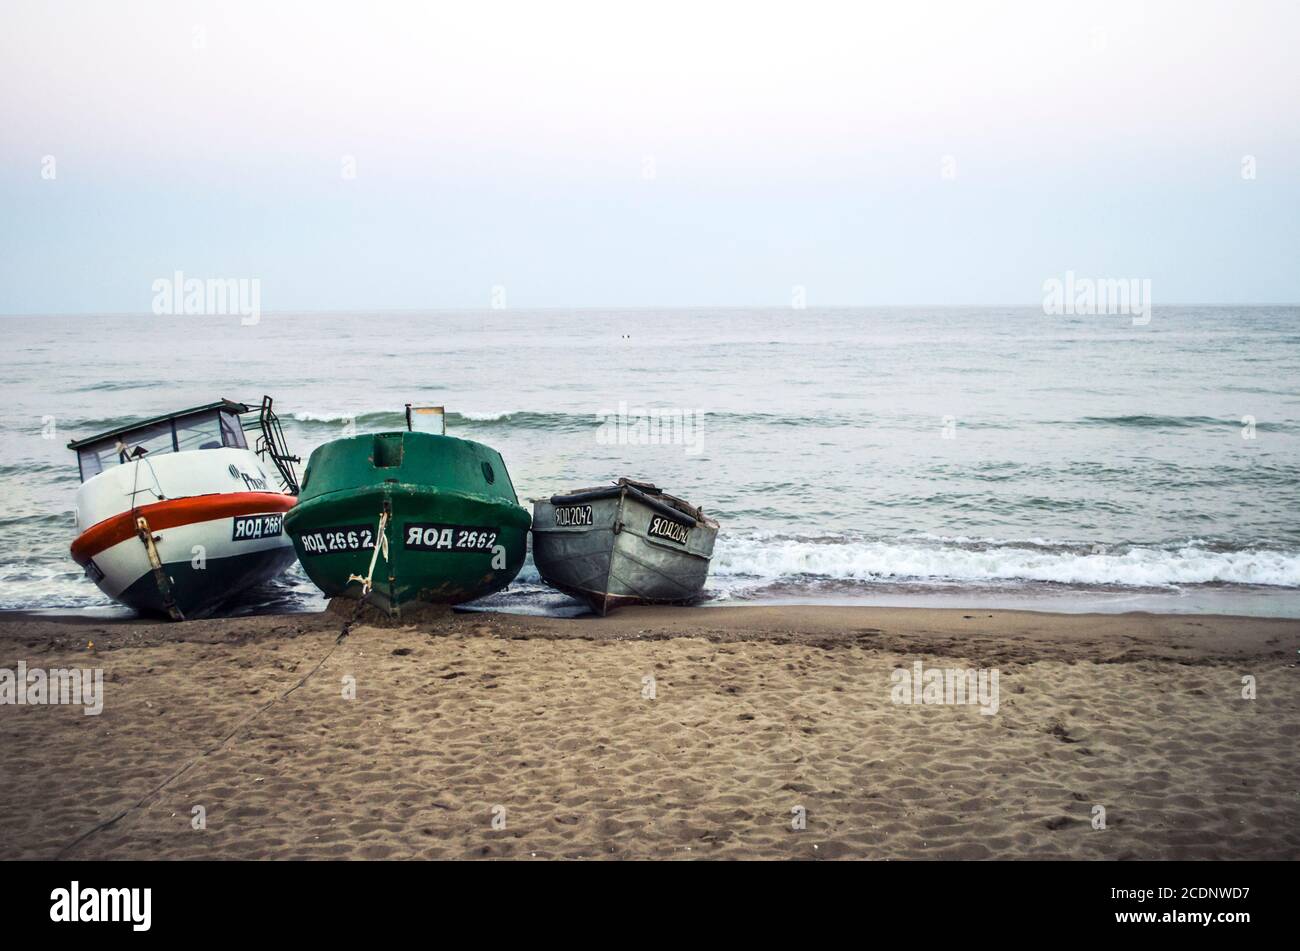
(658, 733)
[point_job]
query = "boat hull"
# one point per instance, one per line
(202, 551)
(198, 593)
(448, 534)
(614, 548)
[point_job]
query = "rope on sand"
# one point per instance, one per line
(63, 852)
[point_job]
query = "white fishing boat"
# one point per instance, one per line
(176, 514)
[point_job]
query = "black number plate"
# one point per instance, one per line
(429, 536)
(331, 541)
(669, 530)
(251, 527)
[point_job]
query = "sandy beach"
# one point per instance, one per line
(753, 732)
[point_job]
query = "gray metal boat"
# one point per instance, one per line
(627, 543)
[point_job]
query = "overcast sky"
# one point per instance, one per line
(370, 155)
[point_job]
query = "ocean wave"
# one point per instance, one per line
(831, 419)
(385, 419)
(1171, 422)
(54, 584)
(559, 419)
(114, 386)
(525, 419)
(65, 520)
(66, 472)
(773, 559)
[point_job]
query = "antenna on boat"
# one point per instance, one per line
(427, 417)
(271, 443)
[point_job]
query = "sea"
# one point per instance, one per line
(966, 457)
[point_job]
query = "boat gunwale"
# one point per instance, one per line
(174, 513)
(405, 490)
(661, 502)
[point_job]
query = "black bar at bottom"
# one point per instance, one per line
(941, 900)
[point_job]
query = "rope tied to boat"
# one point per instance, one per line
(367, 583)
(380, 542)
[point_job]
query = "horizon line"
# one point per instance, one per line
(288, 312)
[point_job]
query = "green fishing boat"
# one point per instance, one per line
(408, 518)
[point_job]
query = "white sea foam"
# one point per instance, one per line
(321, 417)
(775, 559)
(489, 417)
(327, 416)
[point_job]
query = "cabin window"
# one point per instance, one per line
(201, 431)
(232, 434)
(89, 461)
(211, 430)
(155, 440)
(106, 453)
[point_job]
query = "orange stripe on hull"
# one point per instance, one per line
(170, 513)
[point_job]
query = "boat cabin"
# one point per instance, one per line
(213, 426)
